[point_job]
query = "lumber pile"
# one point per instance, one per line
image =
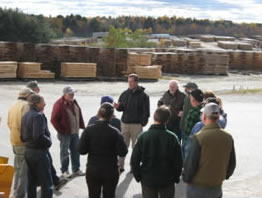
(78, 70)
(224, 38)
(245, 46)
(215, 63)
(138, 59)
(227, 45)
(179, 42)
(194, 44)
(207, 38)
(148, 72)
(8, 51)
(33, 70)
(8, 69)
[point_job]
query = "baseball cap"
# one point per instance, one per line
(69, 90)
(191, 85)
(211, 109)
(25, 92)
(108, 99)
(198, 95)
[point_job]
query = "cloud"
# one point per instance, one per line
(239, 11)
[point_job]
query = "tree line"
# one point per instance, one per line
(18, 26)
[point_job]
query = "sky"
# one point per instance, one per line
(249, 11)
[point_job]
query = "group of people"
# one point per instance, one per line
(186, 139)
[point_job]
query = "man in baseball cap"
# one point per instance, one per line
(211, 158)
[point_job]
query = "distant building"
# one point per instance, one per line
(100, 34)
(159, 36)
(74, 41)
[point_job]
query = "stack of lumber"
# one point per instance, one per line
(139, 59)
(148, 72)
(207, 38)
(121, 56)
(8, 51)
(78, 70)
(106, 64)
(245, 46)
(224, 38)
(179, 42)
(257, 61)
(227, 45)
(33, 70)
(194, 44)
(29, 53)
(215, 63)
(141, 50)
(8, 69)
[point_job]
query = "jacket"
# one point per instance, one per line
(103, 143)
(115, 122)
(14, 120)
(135, 106)
(186, 108)
(35, 133)
(175, 103)
(156, 160)
(60, 118)
(211, 158)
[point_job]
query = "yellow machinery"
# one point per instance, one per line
(6, 177)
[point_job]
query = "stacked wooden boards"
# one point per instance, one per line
(78, 70)
(33, 70)
(141, 64)
(148, 72)
(192, 61)
(8, 69)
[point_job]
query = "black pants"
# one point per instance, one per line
(53, 171)
(39, 173)
(164, 192)
(102, 178)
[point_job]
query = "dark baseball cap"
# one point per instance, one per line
(191, 85)
(108, 99)
(197, 94)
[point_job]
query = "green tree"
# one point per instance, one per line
(19, 27)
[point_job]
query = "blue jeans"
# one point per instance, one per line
(69, 142)
(39, 173)
(201, 192)
(20, 177)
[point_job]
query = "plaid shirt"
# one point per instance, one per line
(192, 118)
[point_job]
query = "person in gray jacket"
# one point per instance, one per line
(36, 136)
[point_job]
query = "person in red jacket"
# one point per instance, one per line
(67, 119)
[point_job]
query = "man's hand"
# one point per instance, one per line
(116, 105)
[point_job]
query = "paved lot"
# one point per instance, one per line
(244, 122)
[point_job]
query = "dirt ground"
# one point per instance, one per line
(244, 110)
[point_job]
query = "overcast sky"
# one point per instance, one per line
(235, 10)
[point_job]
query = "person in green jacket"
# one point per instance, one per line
(156, 160)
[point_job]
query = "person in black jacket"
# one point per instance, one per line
(103, 143)
(134, 103)
(36, 136)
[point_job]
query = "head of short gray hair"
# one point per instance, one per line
(35, 99)
(32, 84)
(174, 82)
